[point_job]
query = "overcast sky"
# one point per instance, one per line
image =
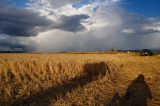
(79, 25)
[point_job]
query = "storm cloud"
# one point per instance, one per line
(70, 23)
(17, 25)
(107, 27)
(51, 25)
(12, 44)
(21, 22)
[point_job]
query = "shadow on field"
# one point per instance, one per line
(91, 72)
(136, 94)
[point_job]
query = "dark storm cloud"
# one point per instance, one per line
(17, 23)
(21, 22)
(11, 45)
(71, 23)
(24, 23)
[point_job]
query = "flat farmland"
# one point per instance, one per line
(75, 79)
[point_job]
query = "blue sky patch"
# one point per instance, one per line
(81, 3)
(148, 8)
(17, 3)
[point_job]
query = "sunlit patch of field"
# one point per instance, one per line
(79, 79)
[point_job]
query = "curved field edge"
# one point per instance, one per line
(74, 79)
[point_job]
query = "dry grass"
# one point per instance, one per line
(76, 79)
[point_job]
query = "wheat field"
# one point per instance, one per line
(47, 79)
